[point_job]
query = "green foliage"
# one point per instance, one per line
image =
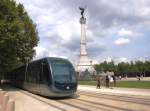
(105, 66)
(18, 35)
(124, 68)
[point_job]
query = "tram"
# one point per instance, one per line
(50, 76)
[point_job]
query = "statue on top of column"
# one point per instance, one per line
(82, 11)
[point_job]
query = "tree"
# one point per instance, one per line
(18, 36)
(125, 69)
(111, 66)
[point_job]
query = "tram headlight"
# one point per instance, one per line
(68, 87)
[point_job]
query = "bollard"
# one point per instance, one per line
(5, 101)
(0, 97)
(2, 93)
(1, 90)
(10, 106)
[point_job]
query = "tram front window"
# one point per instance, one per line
(63, 72)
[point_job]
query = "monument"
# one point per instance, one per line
(84, 62)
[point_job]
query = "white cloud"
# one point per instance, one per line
(122, 41)
(121, 59)
(124, 32)
(108, 59)
(94, 62)
(128, 33)
(45, 20)
(43, 52)
(39, 50)
(58, 20)
(142, 59)
(68, 30)
(49, 34)
(116, 60)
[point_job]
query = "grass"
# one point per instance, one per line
(125, 84)
(93, 83)
(134, 84)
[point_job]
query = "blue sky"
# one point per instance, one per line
(117, 29)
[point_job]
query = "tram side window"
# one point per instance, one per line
(29, 73)
(19, 75)
(45, 73)
(32, 72)
(35, 72)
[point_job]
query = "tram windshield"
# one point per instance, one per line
(63, 71)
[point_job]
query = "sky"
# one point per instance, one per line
(116, 30)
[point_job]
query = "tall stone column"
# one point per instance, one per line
(83, 53)
(84, 62)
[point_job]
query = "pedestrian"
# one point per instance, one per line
(107, 81)
(98, 83)
(120, 77)
(111, 81)
(138, 77)
(114, 80)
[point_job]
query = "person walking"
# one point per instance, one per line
(107, 81)
(114, 80)
(111, 81)
(98, 83)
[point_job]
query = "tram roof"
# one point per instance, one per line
(45, 58)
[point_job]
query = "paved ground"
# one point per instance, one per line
(88, 98)
(116, 90)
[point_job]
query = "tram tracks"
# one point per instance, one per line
(93, 101)
(82, 104)
(93, 106)
(116, 94)
(76, 104)
(117, 97)
(48, 101)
